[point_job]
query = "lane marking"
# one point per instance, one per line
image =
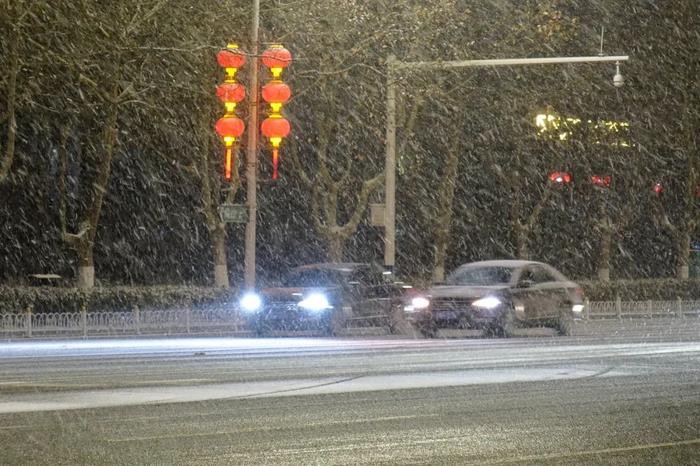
(602, 451)
(66, 400)
(256, 429)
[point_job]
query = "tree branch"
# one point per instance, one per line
(138, 20)
(534, 216)
(368, 186)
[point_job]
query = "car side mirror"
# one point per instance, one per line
(526, 283)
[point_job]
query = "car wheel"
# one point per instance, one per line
(336, 323)
(396, 321)
(507, 325)
(565, 324)
(428, 330)
(262, 328)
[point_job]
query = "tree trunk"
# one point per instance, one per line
(439, 271)
(521, 242)
(604, 257)
(683, 245)
(445, 212)
(336, 244)
(85, 246)
(218, 243)
(9, 154)
(86, 266)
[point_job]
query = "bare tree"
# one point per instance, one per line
(113, 72)
(687, 218)
(16, 12)
(446, 195)
(211, 187)
(610, 225)
(327, 192)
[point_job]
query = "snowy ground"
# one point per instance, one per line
(623, 400)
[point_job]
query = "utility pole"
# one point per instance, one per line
(393, 68)
(252, 155)
(390, 170)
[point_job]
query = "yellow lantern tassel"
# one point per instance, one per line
(275, 162)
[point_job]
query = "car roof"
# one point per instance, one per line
(335, 266)
(510, 263)
(514, 264)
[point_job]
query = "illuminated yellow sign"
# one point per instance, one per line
(608, 132)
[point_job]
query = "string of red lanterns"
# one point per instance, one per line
(276, 93)
(230, 127)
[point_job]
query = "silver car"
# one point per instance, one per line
(499, 296)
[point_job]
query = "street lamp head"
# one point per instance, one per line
(618, 79)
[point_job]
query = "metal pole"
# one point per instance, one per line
(437, 65)
(251, 154)
(390, 169)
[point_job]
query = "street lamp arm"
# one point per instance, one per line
(437, 65)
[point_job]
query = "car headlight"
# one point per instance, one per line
(250, 302)
(419, 302)
(577, 308)
(315, 302)
(489, 302)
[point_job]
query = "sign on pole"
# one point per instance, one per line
(376, 216)
(233, 213)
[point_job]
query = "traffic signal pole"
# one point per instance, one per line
(394, 67)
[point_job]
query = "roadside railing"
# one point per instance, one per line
(113, 323)
(641, 309)
(214, 320)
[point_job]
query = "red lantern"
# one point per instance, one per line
(276, 93)
(230, 92)
(231, 58)
(229, 128)
(601, 181)
(275, 129)
(276, 57)
(658, 189)
(560, 177)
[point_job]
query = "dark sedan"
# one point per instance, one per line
(324, 298)
(498, 297)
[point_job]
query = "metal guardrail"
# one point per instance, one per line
(228, 321)
(113, 323)
(629, 309)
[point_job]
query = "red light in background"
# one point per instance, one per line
(560, 177)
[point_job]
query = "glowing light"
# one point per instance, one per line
(251, 302)
(489, 302)
(553, 126)
(420, 302)
(315, 302)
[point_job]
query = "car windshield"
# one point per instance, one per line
(483, 276)
(315, 278)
